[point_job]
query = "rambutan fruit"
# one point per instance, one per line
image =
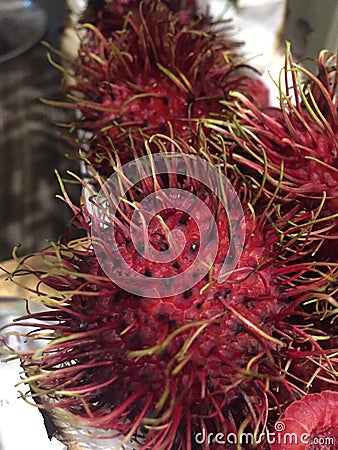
(309, 424)
(111, 15)
(300, 138)
(210, 356)
(159, 73)
(295, 146)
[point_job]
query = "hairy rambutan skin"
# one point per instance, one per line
(110, 15)
(214, 357)
(294, 147)
(158, 73)
(300, 138)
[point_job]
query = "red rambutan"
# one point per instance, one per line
(294, 147)
(194, 311)
(211, 358)
(110, 15)
(158, 73)
(300, 139)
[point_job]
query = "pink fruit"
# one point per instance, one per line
(309, 424)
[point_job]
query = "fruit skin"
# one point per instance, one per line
(110, 15)
(203, 358)
(294, 147)
(314, 421)
(302, 134)
(217, 356)
(158, 72)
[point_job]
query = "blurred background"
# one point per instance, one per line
(31, 146)
(311, 26)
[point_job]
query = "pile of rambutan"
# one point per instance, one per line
(158, 71)
(230, 335)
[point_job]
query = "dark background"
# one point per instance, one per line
(31, 146)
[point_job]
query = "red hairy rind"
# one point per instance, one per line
(110, 15)
(314, 422)
(298, 141)
(300, 137)
(213, 358)
(158, 74)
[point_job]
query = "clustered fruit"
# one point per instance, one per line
(230, 357)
